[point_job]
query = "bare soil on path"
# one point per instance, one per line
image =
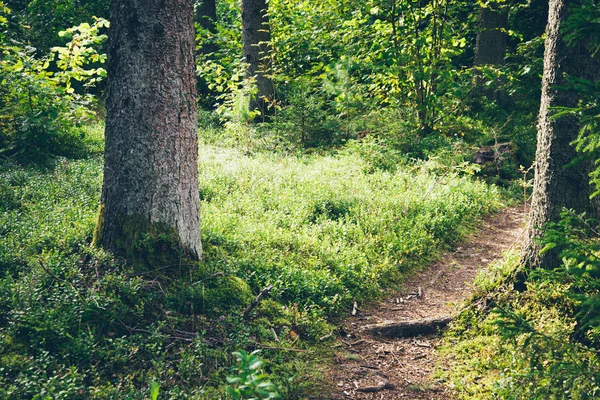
(372, 367)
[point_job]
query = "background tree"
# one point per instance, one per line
(560, 182)
(490, 47)
(256, 36)
(206, 19)
(206, 16)
(150, 190)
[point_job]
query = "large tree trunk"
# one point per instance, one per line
(150, 196)
(256, 37)
(490, 47)
(557, 184)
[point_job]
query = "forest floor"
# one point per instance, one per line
(369, 366)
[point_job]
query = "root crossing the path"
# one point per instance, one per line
(388, 350)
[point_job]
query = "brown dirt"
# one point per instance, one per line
(365, 361)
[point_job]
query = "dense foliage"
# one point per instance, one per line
(358, 175)
(42, 112)
(401, 71)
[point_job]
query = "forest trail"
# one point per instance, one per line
(373, 367)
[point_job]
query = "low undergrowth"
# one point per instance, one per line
(540, 343)
(325, 231)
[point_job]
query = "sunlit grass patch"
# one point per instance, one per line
(325, 230)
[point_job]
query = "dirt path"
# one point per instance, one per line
(367, 362)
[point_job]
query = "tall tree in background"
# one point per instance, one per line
(557, 183)
(490, 47)
(256, 37)
(150, 188)
(206, 16)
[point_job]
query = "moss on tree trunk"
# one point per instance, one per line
(146, 244)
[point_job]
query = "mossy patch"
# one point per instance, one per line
(214, 296)
(225, 293)
(99, 226)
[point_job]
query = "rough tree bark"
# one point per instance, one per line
(490, 45)
(256, 36)
(557, 184)
(150, 192)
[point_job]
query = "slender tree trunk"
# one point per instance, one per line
(206, 16)
(256, 36)
(490, 47)
(557, 184)
(150, 194)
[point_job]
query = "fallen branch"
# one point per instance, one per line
(439, 274)
(403, 329)
(257, 300)
(368, 366)
(323, 338)
(376, 388)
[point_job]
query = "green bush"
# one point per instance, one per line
(305, 119)
(41, 112)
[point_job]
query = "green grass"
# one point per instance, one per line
(325, 230)
(322, 230)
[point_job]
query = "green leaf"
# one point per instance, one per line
(154, 389)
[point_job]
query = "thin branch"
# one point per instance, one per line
(257, 300)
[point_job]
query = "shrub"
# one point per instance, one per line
(540, 343)
(41, 112)
(250, 382)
